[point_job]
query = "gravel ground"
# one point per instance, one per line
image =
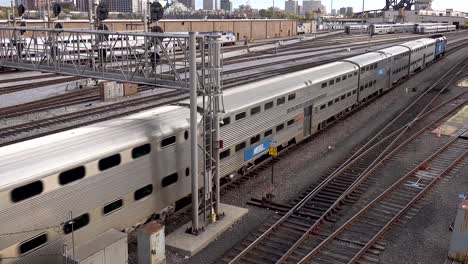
(427, 235)
(307, 163)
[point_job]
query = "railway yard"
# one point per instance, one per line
(379, 182)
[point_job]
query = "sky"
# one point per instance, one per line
(458, 5)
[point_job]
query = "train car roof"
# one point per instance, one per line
(413, 44)
(368, 58)
(33, 159)
(395, 50)
(251, 94)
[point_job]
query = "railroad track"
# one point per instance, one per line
(283, 238)
(258, 76)
(351, 241)
(33, 85)
(39, 128)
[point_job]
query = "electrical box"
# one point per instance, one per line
(151, 244)
(108, 248)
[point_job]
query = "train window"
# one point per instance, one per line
(226, 121)
(375, 81)
(370, 84)
(268, 133)
(367, 68)
(72, 175)
(186, 134)
(331, 82)
(338, 80)
(109, 162)
(241, 115)
(349, 94)
(27, 191)
(290, 122)
(354, 91)
(168, 141)
(350, 75)
(112, 207)
(143, 150)
(330, 103)
(376, 66)
(240, 146)
(255, 110)
(343, 96)
(280, 101)
(143, 192)
(255, 139)
(170, 179)
(76, 223)
(322, 107)
(324, 85)
(363, 70)
(291, 97)
(366, 86)
(33, 243)
(345, 77)
(337, 100)
(279, 127)
(225, 154)
(268, 105)
(355, 73)
(362, 88)
(187, 171)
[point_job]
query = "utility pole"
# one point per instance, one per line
(193, 128)
(362, 17)
(273, 10)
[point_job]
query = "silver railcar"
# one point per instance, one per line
(119, 173)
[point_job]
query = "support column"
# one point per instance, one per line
(216, 120)
(193, 128)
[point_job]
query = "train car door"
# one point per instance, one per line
(308, 120)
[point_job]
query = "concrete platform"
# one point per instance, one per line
(189, 245)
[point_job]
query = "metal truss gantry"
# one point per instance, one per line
(188, 62)
(156, 59)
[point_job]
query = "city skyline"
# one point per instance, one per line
(458, 5)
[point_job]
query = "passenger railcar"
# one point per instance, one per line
(119, 173)
(430, 29)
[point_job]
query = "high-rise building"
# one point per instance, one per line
(125, 6)
(190, 4)
(349, 11)
(226, 5)
(343, 11)
(290, 7)
(208, 4)
(333, 12)
(312, 6)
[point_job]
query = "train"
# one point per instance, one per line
(356, 28)
(422, 28)
(123, 172)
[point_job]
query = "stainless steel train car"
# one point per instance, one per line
(355, 28)
(430, 29)
(122, 172)
(379, 29)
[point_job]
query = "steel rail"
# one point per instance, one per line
(374, 165)
(363, 177)
(334, 234)
(342, 167)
